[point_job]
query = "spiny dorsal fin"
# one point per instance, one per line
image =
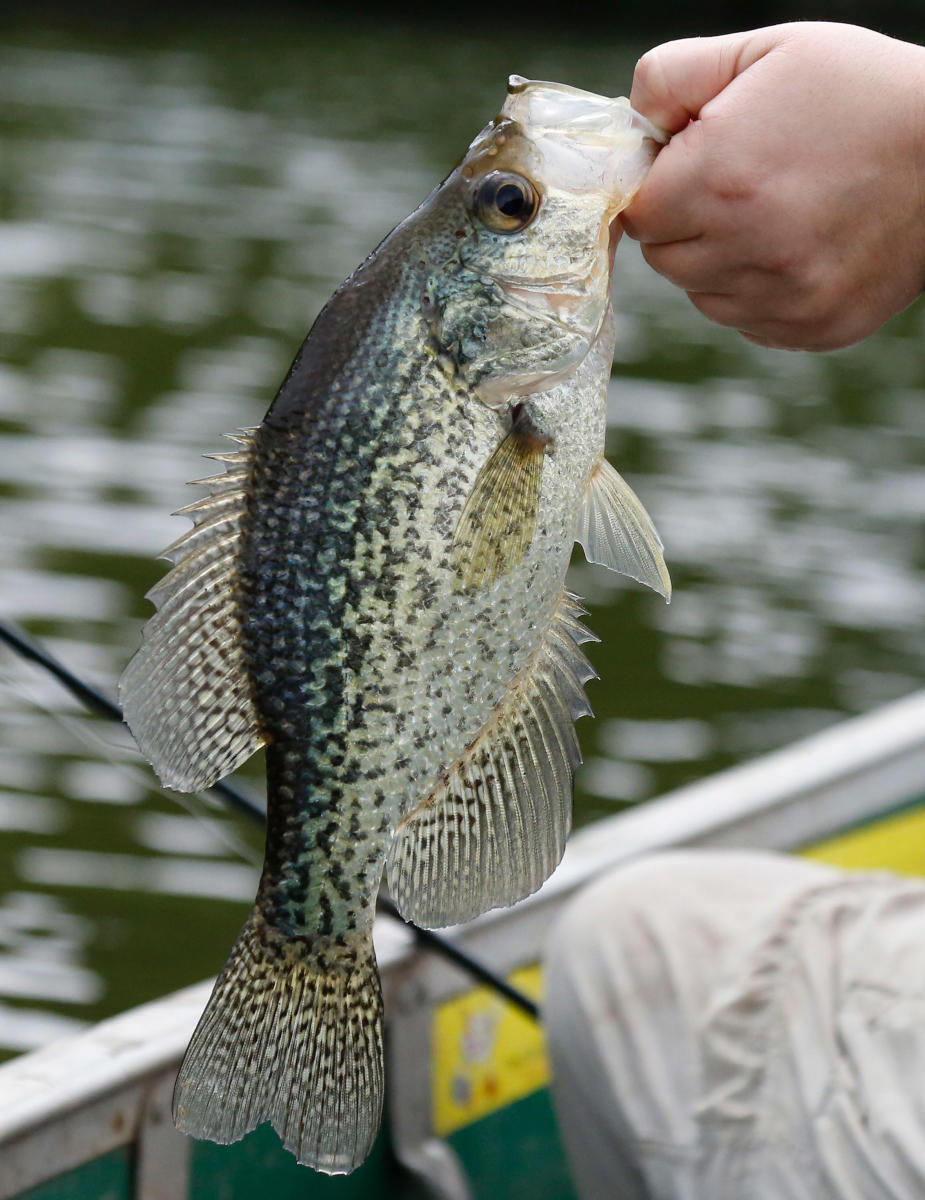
(615, 530)
(185, 694)
(499, 520)
(495, 827)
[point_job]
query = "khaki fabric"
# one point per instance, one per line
(729, 1025)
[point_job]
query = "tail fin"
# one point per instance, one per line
(290, 1035)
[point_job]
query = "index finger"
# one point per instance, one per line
(669, 206)
(674, 81)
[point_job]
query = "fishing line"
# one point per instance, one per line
(98, 702)
(193, 804)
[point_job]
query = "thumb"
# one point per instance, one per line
(673, 82)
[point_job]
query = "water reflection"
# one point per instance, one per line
(41, 965)
(41, 958)
(166, 876)
(171, 221)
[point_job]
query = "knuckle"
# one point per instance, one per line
(721, 310)
(656, 74)
(734, 182)
(648, 78)
(666, 261)
(783, 259)
(819, 303)
(734, 171)
(655, 257)
(643, 66)
(783, 253)
(650, 67)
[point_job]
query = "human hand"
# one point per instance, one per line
(790, 203)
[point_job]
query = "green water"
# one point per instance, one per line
(173, 213)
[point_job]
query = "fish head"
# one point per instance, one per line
(541, 186)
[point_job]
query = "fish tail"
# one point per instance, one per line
(292, 1034)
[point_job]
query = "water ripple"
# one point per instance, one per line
(175, 214)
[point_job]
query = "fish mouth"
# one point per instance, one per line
(586, 141)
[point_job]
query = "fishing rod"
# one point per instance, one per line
(101, 704)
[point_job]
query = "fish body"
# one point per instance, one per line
(374, 590)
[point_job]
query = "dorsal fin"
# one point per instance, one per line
(499, 520)
(615, 530)
(185, 694)
(495, 827)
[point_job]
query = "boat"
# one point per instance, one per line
(468, 1109)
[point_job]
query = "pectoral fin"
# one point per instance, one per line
(614, 529)
(499, 520)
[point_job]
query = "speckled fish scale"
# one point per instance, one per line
(374, 590)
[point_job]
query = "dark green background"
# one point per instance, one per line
(180, 190)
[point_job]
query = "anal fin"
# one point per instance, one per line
(615, 530)
(494, 828)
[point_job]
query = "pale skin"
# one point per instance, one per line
(790, 202)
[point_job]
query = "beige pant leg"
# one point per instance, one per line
(631, 968)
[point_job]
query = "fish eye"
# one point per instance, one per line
(504, 202)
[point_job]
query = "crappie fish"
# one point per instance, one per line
(374, 591)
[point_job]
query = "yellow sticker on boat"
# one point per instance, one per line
(486, 1053)
(896, 843)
